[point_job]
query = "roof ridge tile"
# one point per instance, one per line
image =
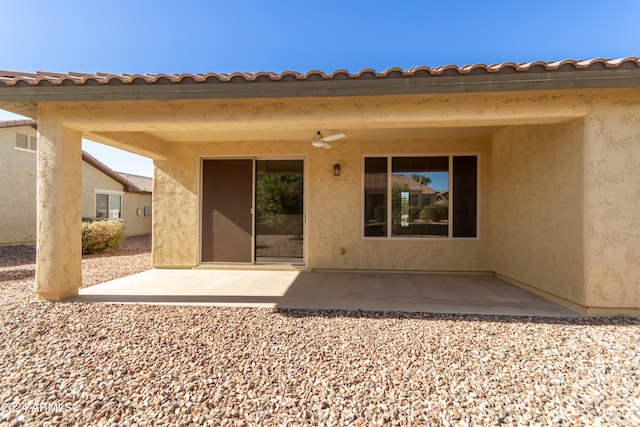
(13, 78)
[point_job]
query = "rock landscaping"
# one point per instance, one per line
(109, 364)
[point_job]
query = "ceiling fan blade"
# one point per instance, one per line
(318, 143)
(334, 137)
(325, 145)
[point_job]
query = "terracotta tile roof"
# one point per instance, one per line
(144, 183)
(412, 184)
(14, 78)
(17, 123)
(128, 185)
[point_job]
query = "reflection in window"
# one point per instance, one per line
(419, 196)
(416, 210)
(375, 196)
(108, 206)
(114, 206)
(102, 206)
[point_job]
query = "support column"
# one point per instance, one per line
(612, 210)
(59, 208)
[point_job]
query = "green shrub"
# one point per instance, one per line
(435, 213)
(414, 212)
(98, 236)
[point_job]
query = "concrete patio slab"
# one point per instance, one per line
(367, 291)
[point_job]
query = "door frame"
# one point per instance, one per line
(305, 242)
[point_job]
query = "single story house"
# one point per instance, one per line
(542, 162)
(105, 193)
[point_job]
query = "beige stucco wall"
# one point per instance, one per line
(135, 224)
(94, 180)
(59, 210)
(537, 208)
(335, 211)
(18, 176)
(333, 206)
(175, 212)
(612, 205)
(18, 189)
(559, 200)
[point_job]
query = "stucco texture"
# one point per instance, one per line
(537, 209)
(59, 211)
(94, 181)
(559, 205)
(18, 169)
(176, 211)
(18, 189)
(136, 223)
(336, 212)
(333, 206)
(612, 205)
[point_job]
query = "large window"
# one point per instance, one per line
(109, 205)
(430, 196)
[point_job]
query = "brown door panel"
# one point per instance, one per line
(227, 188)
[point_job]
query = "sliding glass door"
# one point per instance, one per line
(279, 227)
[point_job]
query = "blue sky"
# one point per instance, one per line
(160, 36)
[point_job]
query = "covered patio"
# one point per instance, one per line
(540, 162)
(482, 294)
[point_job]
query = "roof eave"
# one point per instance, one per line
(128, 186)
(555, 80)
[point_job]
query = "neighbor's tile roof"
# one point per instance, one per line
(13, 78)
(128, 185)
(17, 123)
(145, 184)
(412, 184)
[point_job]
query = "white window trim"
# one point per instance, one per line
(110, 193)
(26, 150)
(450, 237)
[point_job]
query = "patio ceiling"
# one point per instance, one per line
(306, 134)
(297, 119)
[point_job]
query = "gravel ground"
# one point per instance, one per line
(92, 364)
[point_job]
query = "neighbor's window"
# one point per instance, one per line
(413, 200)
(26, 142)
(108, 206)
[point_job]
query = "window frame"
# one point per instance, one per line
(108, 193)
(390, 235)
(31, 141)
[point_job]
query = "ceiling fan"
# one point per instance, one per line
(321, 141)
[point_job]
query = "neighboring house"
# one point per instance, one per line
(442, 197)
(420, 195)
(105, 193)
(543, 160)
